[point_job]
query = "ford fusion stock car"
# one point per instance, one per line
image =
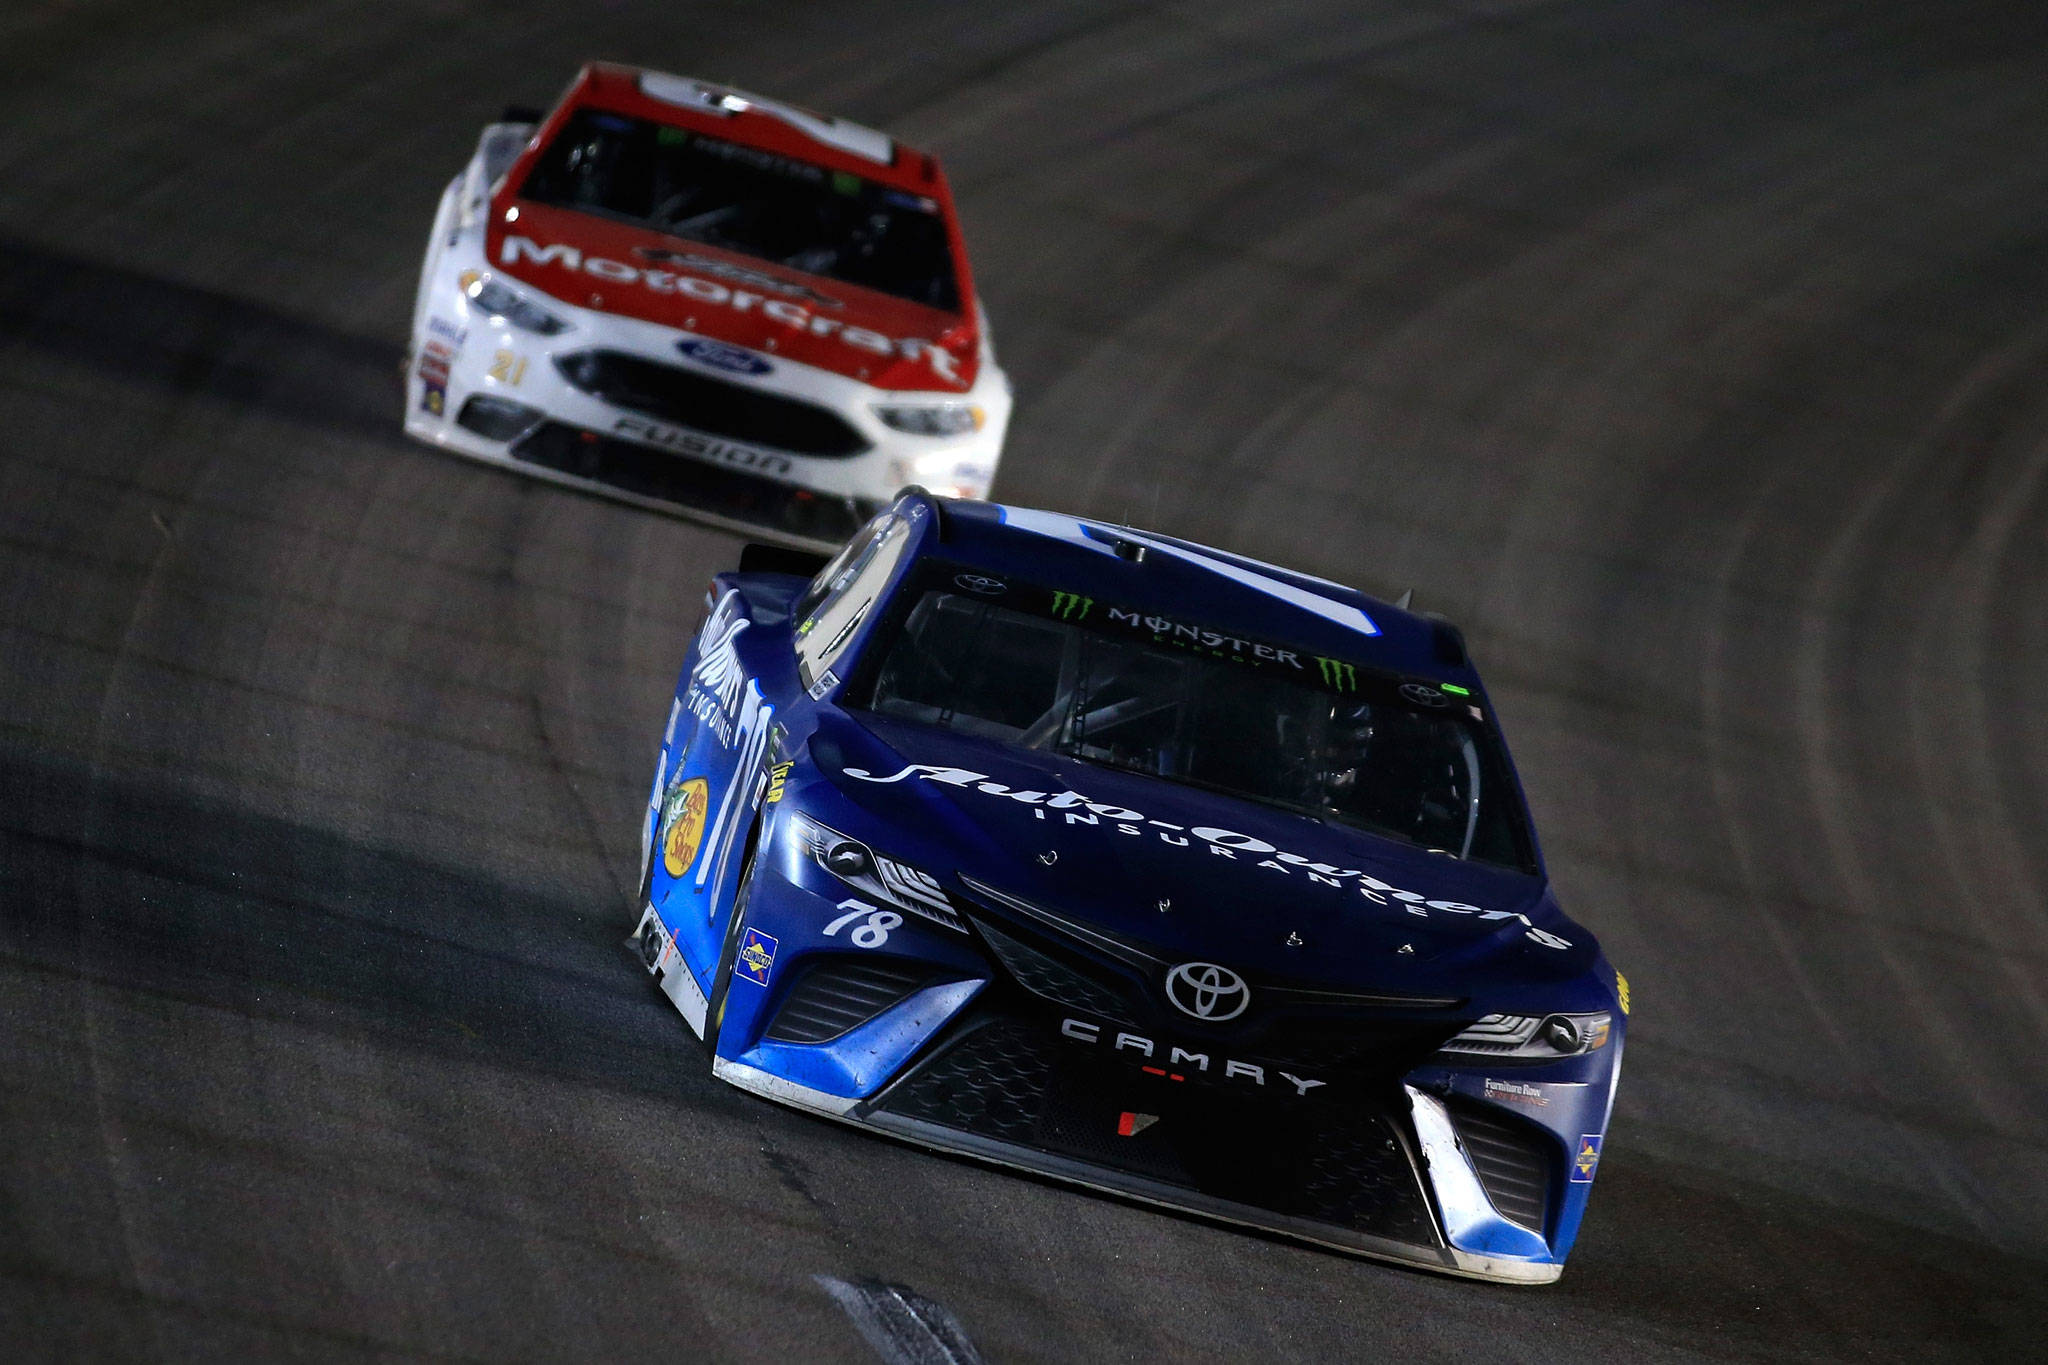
(1139, 865)
(686, 295)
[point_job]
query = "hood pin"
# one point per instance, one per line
(1049, 857)
(1294, 939)
(1164, 905)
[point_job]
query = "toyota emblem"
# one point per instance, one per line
(1207, 991)
(1422, 694)
(981, 583)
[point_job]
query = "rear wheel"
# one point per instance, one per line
(643, 901)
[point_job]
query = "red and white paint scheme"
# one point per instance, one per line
(693, 297)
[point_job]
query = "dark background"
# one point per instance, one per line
(1691, 354)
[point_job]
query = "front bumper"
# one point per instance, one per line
(917, 1049)
(1448, 1175)
(1321, 1128)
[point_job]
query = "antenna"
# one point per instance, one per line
(1401, 602)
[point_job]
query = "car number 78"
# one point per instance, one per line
(874, 933)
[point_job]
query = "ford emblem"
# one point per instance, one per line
(720, 356)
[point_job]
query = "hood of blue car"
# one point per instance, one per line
(1192, 873)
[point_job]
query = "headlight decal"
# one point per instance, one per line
(506, 304)
(932, 419)
(1533, 1037)
(886, 879)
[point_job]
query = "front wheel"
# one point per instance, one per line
(735, 929)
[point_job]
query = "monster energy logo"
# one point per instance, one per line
(1338, 676)
(1071, 606)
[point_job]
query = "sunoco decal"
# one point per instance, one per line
(1076, 809)
(1586, 1158)
(756, 958)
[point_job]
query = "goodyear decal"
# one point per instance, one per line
(777, 775)
(1621, 991)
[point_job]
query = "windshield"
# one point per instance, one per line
(1320, 737)
(744, 199)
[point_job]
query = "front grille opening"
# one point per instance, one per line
(1016, 1080)
(1513, 1161)
(1050, 979)
(635, 468)
(702, 403)
(839, 995)
(497, 419)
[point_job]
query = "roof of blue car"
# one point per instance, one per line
(1202, 584)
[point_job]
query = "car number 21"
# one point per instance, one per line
(872, 934)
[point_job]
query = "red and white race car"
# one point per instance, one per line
(689, 296)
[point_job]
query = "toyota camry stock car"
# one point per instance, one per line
(684, 294)
(1136, 864)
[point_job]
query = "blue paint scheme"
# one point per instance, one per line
(1399, 919)
(857, 1063)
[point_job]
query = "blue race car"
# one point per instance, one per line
(1139, 865)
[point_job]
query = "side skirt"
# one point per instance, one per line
(670, 972)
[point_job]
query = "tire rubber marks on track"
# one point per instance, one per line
(903, 1326)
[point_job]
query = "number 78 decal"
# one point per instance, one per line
(874, 933)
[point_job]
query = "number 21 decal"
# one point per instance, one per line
(507, 368)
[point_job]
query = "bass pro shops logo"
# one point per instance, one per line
(682, 824)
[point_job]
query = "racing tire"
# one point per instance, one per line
(644, 897)
(728, 954)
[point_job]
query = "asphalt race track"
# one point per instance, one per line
(1691, 354)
